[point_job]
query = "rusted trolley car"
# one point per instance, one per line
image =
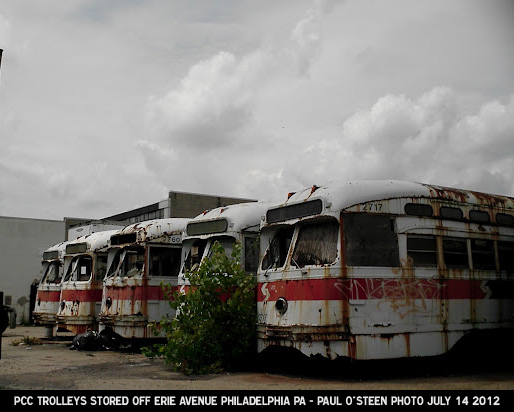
(140, 258)
(226, 225)
(85, 266)
(49, 288)
(384, 269)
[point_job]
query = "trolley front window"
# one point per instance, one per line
(316, 244)
(80, 269)
(127, 262)
(226, 242)
(133, 263)
(276, 254)
(195, 254)
(53, 274)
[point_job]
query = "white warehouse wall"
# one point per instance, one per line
(22, 243)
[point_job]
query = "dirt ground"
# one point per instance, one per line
(52, 365)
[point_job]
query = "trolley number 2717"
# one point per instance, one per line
(479, 400)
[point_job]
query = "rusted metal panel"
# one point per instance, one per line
(419, 306)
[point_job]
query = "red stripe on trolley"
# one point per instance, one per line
(377, 288)
(137, 292)
(88, 295)
(48, 296)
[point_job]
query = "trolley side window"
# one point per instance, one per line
(422, 251)
(316, 244)
(455, 252)
(370, 240)
(506, 256)
(504, 219)
(251, 254)
(479, 216)
(483, 254)
(164, 261)
(452, 213)
(276, 254)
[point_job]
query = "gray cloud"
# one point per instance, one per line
(106, 107)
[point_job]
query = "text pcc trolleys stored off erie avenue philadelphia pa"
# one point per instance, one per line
(225, 225)
(141, 257)
(49, 289)
(385, 269)
(85, 266)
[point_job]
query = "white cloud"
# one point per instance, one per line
(427, 139)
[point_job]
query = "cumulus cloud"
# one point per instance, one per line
(428, 139)
(247, 101)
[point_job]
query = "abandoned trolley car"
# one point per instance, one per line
(49, 288)
(225, 225)
(384, 269)
(141, 257)
(85, 266)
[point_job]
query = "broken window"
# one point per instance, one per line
(164, 261)
(422, 250)
(53, 274)
(276, 254)
(251, 253)
(316, 244)
(133, 262)
(455, 252)
(482, 252)
(80, 269)
(226, 242)
(115, 264)
(370, 240)
(194, 254)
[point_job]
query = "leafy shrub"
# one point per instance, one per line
(214, 328)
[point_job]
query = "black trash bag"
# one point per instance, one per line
(107, 339)
(86, 341)
(110, 340)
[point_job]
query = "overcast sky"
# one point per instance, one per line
(106, 106)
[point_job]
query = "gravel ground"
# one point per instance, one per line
(51, 365)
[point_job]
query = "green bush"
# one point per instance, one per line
(214, 329)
